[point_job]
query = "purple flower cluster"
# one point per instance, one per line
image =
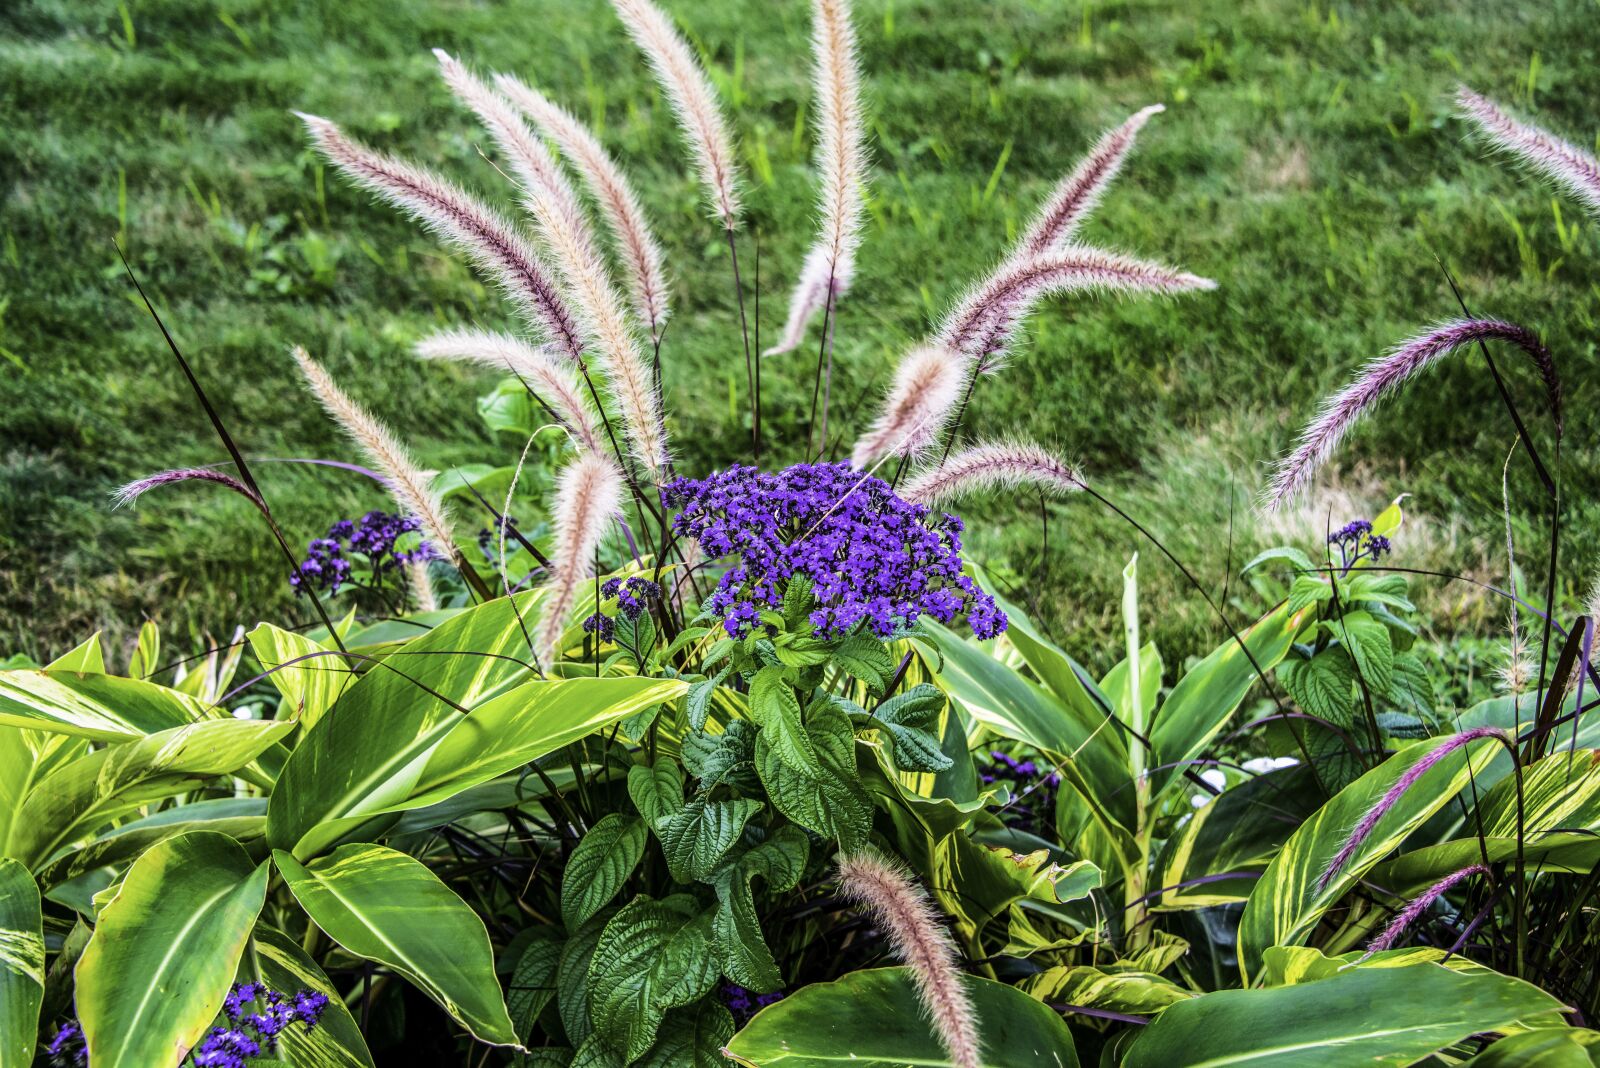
(1356, 542)
(633, 596)
(326, 566)
(247, 1034)
(874, 560)
(1034, 805)
(746, 1003)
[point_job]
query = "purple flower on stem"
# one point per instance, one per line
(68, 1046)
(1415, 908)
(874, 561)
(1368, 822)
(374, 536)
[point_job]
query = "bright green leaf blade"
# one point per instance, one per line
(276, 960)
(21, 964)
(1366, 1017)
(871, 1019)
(106, 708)
(301, 668)
(243, 819)
(1543, 1047)
(385, 906)
(1286, 904)
(165, 950)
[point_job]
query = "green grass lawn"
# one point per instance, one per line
(1308, 161)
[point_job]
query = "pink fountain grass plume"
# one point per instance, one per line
(493, 244)
(993, 466)
(588, 496)
(550, 379)
(842, 160)
(532, 165)
(927, 387)
(1079, 192)
(987, 318)
(1564, 163)
(408, 484)
(588, 285)
(1386, 374)
(1369, 820)
(905, 915)
(127, 494)
(635, 241)
(1415, 908)
(694, 102)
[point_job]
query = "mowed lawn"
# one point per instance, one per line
(1308, 160)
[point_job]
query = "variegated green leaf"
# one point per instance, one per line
(21, 964)
(303, 670)
(106, 708)
(278, 961)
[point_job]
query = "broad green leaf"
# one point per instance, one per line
(105, 708)
(1360, 1017)
(652, 956)
(1324, 685)
(165, 950)
(312, 680)
(872, 1019)
(572, 978)
(736, 929)
(698, 700)
(241, 818)
(832, 803)
(1369, 642)
(726, 757)
(867, 659)
(278, 961)
(146, 659)
(369, 751)
(1000, 698)
(692, 1038)
(533, 981)
(1286, 903)
(1294, 558)
(385, 906)
(1206, 697)
(656, 789)
(775, 707)
(600, 864)
(26, 758)
(978, 882)
(1308, 590)
(91, 791)
(1111, 988)
(21, 964)
(1543, 1047)
(88, 656)
(695, 839)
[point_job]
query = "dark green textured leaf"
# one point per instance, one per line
(697, 838)
(656, 790)
(867, 659)
(832, 803)
(653, 956)
(1323, 686)
(692, 1038)
(698, 702)
(533, 982)
(572, 978)
(599, 866)
(726, 757)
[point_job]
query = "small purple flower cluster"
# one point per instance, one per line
(1356, 541)
(873, 559)
(746, 1003)
(633, 596)
(1034, 805)
(327, 568)
(247, 1035)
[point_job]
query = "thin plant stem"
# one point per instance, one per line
(744, 334)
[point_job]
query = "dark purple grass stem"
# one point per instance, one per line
(744, 333)
(818, 446)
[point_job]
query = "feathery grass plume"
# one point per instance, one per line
(492, 243)
(531, 162)
(989, 466)
(842, 160)
(1080, 191)
(556, 383)
(694, 102)
(1387, 373)
(1560, 161)
(1519, 670)
(588, 495)
(407, 483)
(422, 585)
(587, 284)
(609, 186)
(903, 912)
(926, 389)
(1415, 908)
(1369, 820)
(983, 324)
(132, 491)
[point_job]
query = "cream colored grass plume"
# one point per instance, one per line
(635, 241)
(1565, 163)
(407, 483)
(907, 918)
(587, 499)
(606, 331)
(926, 389)
(694, 102)
(551, 379)
(842, 163)
(493, 243)
(1079, 193)
(992, 466)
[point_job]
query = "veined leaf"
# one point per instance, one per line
(278, 961)
(385, 906)
(1542, 1047)
(105, 708)
(692, 1038)
(533, 981)
(872, 1019)
(656, 790)
(652, 956)
(1360, 1017)
(1286, 903)
(1112, 988)
(696, 838)
(91, 791)
(774, 706)
(165, 949)
(21, 964)
(736, 929)
(831, 803)
(312, 680)
(241, 818)
(598, 867)
(26, 757)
